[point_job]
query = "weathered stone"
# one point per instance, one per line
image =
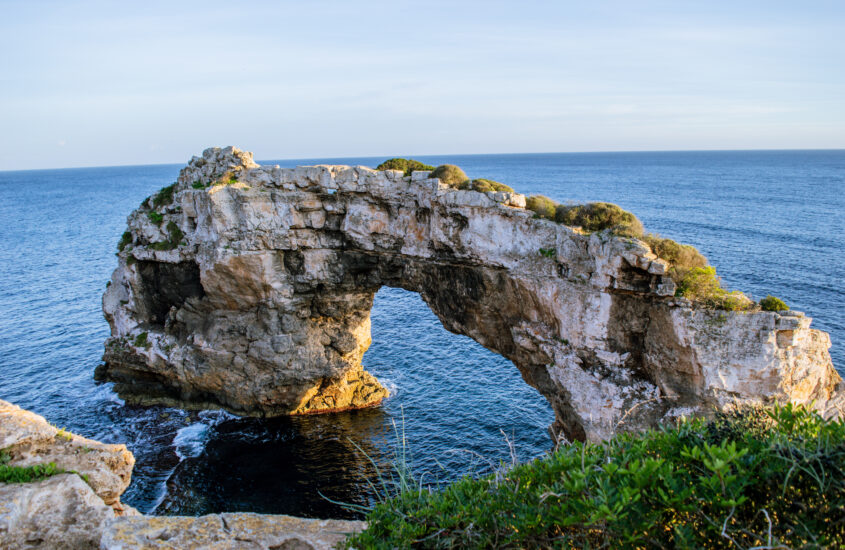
(29, 439)
(226, 531)
(264, 310)
(56, 513)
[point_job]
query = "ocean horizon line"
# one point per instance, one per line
(434, 155)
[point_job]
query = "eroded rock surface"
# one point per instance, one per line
(28, 439)
(56, 513)
(232, 531)
(251, 290)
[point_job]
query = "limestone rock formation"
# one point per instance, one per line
(28, 439)
(60, 512)
(243, 530)
(67, 511)
(250, 287)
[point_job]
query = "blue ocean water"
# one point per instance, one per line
(770, 221)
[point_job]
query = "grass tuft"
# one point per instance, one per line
(125, 240)
(155, 217)
(141, 341)
(164, 196)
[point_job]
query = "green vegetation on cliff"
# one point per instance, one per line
(598, 216)
(25, 474)
(703, 286)
(449, 174)
(164, 196)
(772, 303)
(405, 165)
(765, 478)
(484, 186)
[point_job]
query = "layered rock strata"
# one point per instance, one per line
(250, 287)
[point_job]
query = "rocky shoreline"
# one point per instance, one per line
(80, 507)
(249, 288)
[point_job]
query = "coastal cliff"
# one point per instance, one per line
(249, 287)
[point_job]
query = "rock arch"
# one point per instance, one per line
(250, 288)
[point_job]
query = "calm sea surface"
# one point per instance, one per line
(771, 222)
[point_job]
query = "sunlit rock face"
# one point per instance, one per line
(254, 294)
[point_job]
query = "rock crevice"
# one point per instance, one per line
(263, 305)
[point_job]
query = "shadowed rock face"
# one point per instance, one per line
(263, 306)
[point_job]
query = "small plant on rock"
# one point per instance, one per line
(772, 303)
(598, 216)
(155, 217)
(681, 257)
(141, 341)
(485, 186)
(125, 240)
(542, 206)
(164, 196)
(449, 174)
(407, 166)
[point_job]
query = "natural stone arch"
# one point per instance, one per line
(254, 294)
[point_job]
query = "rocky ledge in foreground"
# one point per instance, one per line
(250, 287)
(77, 504)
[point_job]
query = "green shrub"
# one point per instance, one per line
(406, 165)
(25, 474)
(164, 196)
(598, 216)
(198, 185)
(772, 303)
(141, 341)
(228, 178)
(542, 206)
(702, 285)
(485, 185)
(449, 174)
(155, 217)
(681, 257)
(770, 478)
(125, 240)
(548, 252)
(175, 238)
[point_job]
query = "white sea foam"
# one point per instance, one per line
(190, 440)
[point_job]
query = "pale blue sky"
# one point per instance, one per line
(106, 83)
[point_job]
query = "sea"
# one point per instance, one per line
(772, 222)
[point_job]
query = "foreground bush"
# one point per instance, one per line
(449, 174)
(598, 216)
(766, 478)
(406, 165)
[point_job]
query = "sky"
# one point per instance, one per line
(114, 83)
